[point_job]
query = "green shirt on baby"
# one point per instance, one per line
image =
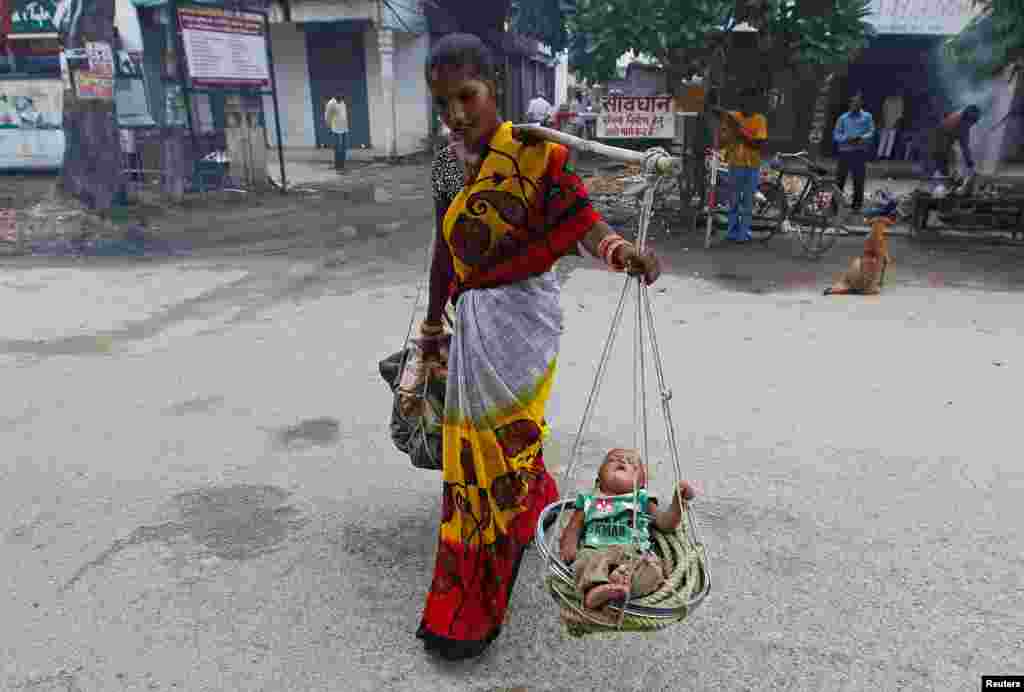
(608, 520)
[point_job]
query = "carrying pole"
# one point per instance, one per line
(662, 163)
(277, 110)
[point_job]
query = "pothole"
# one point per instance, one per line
(316, 431)
(236, 522)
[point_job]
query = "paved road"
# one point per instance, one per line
(199, 492)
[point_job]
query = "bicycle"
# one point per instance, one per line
(812, 211)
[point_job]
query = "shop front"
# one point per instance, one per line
(31, 91)
(32, 87)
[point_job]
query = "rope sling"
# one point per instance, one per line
(683, 556)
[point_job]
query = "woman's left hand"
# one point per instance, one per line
(646, 265)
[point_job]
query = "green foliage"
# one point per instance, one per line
(812, 38)
(993, 41)
(683, 35)
(543, 20)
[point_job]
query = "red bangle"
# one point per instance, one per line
(615, 263)
(610, 252)
(602, 247)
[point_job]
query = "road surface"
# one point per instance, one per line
(199, 492)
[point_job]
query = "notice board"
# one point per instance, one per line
(224, 48)
(631, 117)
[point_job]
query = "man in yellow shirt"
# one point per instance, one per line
(743, 133)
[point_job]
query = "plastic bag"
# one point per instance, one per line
(418, 434)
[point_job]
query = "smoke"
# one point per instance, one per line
(961, 87)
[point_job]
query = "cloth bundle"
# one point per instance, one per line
(417, 434)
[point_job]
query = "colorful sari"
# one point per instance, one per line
(525, 209)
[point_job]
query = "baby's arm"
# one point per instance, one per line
(673, 516)
(571, 538)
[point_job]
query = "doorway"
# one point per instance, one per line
(337, 65)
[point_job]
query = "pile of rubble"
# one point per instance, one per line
(612, 182)
(606, 189)
(58, 225)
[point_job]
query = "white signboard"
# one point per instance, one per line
(929, 17)
(31, 111)
(636, 117)
(225, 48)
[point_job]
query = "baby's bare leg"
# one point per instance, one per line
(600, 595)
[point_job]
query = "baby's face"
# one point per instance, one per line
(622, 471)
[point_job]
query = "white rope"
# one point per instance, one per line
(656, 164)
(569, 475)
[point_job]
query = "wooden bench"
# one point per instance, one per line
(1003, 213)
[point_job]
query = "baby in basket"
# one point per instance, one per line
(610, 555)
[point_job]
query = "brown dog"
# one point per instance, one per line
(866, 274)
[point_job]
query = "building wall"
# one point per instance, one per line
(412, 110)
(412, 99)
(333, 11)
(291, 71)
(378, 126)
(562, 80)
(641, 80)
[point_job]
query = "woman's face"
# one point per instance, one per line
(467, 104)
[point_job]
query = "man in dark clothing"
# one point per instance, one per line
(955, 127)
(853, 135)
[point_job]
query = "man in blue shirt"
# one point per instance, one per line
(853, 137)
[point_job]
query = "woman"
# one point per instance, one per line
(506, 211)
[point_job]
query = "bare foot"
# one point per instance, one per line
(622, 576)
(599, 595)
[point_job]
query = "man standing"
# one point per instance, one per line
(336, 115)
(955, 127)
(539, 110)
(744, 134)
(852, 134)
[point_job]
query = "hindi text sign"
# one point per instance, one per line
(225, 48)
(636, 117)
(101, 58)
(921, 17)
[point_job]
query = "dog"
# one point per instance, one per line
(866, 274)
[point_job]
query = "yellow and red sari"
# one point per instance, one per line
(505, 231)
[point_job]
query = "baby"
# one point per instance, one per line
(614, 558)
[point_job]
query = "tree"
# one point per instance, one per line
(694, 36)
(92, 150)
(993, 42)
(546, 21)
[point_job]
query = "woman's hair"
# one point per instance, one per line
(462, 50)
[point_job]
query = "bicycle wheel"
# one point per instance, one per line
(818, 223)
(769, 211)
